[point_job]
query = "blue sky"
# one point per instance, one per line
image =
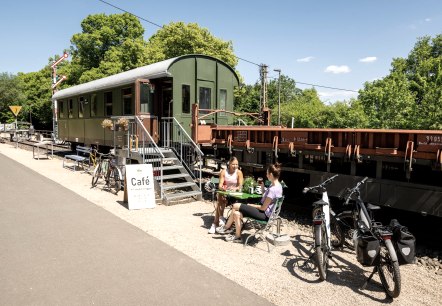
(338, 44)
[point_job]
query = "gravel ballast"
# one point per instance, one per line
(275, 276)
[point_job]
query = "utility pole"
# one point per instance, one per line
(279, 95)
(263, 75)
(55, 83)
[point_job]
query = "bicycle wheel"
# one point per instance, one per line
(344, 233)
(97, 174)
(117, 180)
(321, 250)
(336, 235)
(389, 272)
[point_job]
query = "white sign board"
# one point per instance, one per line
(140, 186)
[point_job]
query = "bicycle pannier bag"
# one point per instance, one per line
(367, 249)
(404, 242)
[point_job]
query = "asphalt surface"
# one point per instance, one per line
(56, 248)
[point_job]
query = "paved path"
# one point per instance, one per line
(56, 248)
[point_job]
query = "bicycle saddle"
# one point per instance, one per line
(373, 207)
(320, 202)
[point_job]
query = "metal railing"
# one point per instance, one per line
(139, 140)
(176, 138)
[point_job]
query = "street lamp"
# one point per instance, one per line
(279, 95)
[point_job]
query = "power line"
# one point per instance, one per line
(118, 8)
(250, 62)
(315, 85)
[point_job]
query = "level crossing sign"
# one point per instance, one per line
(15, 109)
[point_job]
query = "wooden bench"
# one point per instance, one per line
(81, 159)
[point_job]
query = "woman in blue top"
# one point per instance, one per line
(261, 211)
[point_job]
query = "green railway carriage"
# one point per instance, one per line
(163, 89)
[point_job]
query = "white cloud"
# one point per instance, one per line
(337, 69)
(427, 19)
(305, 59)
(368, 59)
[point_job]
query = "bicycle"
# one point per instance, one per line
(321, 227)
(107, 168)
(372, 243)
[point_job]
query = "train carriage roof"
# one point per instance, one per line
(153, 71)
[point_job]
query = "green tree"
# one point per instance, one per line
(305, 109)
(178, 38)
(107, 45)
(388, 103)
(411, 95)
(38, 104)
(343, 114)
(10, 94)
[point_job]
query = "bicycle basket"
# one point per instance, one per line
(367, 249)
(404, 243)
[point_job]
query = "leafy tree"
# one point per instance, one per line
(38, 103)
(10, 94)
(388, 103)
(247, 100)
(178, 38)
(411, 95)
(305, 109)
(107, 45)
(343, 114)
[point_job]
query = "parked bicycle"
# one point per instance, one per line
(321, 227)
(372, 242)
(108, 170)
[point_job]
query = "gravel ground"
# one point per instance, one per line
(275, 276)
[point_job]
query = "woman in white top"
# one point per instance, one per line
(229, 179)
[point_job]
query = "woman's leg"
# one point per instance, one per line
(237, 216)
(235, 208)
(219, 210)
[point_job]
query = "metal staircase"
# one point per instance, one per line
(173, 162)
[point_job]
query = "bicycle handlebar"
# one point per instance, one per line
(355, 189)
(322, 185)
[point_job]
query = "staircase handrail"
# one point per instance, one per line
(157, 149)
(192, 144)
(187, 135)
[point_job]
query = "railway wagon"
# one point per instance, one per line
(164, 89)
(404, 166)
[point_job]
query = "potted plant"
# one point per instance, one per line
(249, 185)
(107, 124)
(123, 123)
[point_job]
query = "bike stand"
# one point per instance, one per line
(369, 278)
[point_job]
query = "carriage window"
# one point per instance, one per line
(205, 98)
(80, 107)
(185, 93)
(71, 108)
(60, 105)
(127, 101)
(94, 106)
(108, 103)
(222, 101)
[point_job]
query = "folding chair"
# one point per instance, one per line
(261, 227)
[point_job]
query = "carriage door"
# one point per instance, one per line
(205, 95)
(145, 108)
